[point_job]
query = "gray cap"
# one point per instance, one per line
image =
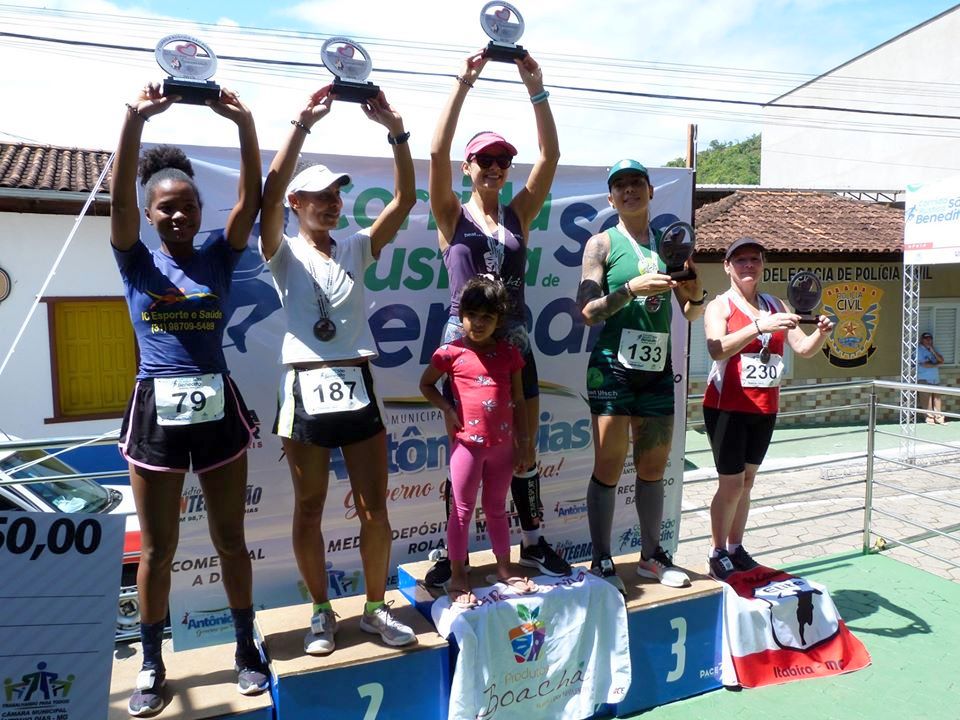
(739, 243)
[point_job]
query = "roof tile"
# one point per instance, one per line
(46, 167)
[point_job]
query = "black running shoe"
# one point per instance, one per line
(741, 559)
(147, 698)
(544, 558)
(721, 567)
(604, 568)
(252, 675)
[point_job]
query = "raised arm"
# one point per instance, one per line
(388, 222)
(124, 212)
(244, 213)
(281, 171)
(530, 199)
(444, 203)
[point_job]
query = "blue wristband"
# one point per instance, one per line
(539, 97)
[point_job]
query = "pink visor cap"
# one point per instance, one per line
(488, 141)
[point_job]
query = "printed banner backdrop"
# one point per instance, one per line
(59, 574)
(931, 223)
(778, 627)
(408, 301)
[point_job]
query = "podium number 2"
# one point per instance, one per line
(678, 648)
(374, 691)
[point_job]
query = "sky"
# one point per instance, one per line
(70, 95)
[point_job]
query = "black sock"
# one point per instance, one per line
(151, 636)
(525, 489)
(649, 502)
(601, 502)
(243, 629)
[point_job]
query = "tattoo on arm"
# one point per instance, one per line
(595, 303)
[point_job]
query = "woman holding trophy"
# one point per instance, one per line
(327, 397)
(485, 236)
(162, 436)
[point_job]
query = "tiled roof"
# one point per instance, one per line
(799, 222)
(44, 167)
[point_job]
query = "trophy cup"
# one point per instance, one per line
(351, 65)
(676, 246)
(503, 24)
(803, 292)
(189, 63)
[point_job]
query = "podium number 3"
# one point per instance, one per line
(678, 648)
(374, 691)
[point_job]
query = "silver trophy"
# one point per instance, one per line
(351, 65)
(190, 63)
(503, 24)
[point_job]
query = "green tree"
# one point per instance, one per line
(730, 163)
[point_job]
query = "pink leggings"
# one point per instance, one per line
(468, 465)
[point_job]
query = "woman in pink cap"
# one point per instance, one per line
(484, 236)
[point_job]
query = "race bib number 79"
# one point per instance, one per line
(189, 400)
(333, 389)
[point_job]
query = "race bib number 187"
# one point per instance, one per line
(333, 389)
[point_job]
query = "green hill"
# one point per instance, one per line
(730, 163)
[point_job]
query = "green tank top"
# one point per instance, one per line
(648, 314)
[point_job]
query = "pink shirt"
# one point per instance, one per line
(481, 389)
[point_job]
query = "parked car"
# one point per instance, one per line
(74, 496)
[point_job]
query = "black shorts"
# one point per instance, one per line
(737, 438)
(328, 429)
(176, 448)
(613, 389)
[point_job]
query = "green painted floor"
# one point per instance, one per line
(909, 621)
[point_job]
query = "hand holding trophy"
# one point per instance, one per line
(350, 64)
(190, 64)
(503, 24)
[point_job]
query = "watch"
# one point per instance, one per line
(702, 299)
(399, 139)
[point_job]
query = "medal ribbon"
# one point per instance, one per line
(497, 245)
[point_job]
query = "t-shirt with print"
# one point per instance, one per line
(178, 307)
(482, 393)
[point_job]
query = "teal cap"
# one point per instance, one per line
(625, 166)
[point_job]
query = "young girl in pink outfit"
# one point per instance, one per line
(487, 406)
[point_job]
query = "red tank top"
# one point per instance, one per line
(724, 388)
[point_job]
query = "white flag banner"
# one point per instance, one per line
(408, 302)
(931, 223)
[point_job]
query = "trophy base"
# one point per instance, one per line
(502, 52)
(809, 320)
(681, 275)
(192, 92)
(357, 92)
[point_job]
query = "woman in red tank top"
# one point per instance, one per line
(746, 333)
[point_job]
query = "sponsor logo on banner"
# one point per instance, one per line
(37, 694)
(528, 637)
(572, 551)
(200, 623)
(630, 538)
(193, 508)
(854, 309)
(569, 510)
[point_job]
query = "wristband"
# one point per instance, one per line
(398, 139)
(136, 111)
(540, 97)
(297, 123)
(463, 81)
(701, 301)
(631, 293)
(759, 331)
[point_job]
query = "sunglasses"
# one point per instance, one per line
(485, 161)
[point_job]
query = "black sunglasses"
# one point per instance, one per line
(485, 161)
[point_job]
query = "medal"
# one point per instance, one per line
(765, 354)
(324, 330)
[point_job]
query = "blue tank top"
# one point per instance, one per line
(469, 255)
(178, 310)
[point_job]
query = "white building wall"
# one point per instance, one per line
(29, 244)
(917, 72)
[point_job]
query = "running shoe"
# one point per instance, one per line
(252, 674)
(604, 568)
(382, 622)
(721, 567)
(319, 638)
(439, 575)
(660, 567)
(147, 698)
(544, 558)
(741, 559)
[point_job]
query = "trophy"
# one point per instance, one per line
(503, 24)
(676, 245)
(351, 65)
(190, 63)
(803, 292)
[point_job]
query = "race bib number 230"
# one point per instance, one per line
(756, 373)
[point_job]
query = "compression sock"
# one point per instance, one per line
(243, 626)
(525, 489)
(151, 637)
(601, 502)
(649, 504)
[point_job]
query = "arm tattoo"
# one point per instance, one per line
(592, 296)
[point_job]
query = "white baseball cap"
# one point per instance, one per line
(314, 179)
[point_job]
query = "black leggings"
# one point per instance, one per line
(737, 438)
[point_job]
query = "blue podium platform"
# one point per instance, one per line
(675, 633)
(363, 678)
(201, 685)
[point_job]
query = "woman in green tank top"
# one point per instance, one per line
(629, 375)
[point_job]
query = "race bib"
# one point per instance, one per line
(333, 389)
(189, 400)
(756, 373)
(641, 350)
